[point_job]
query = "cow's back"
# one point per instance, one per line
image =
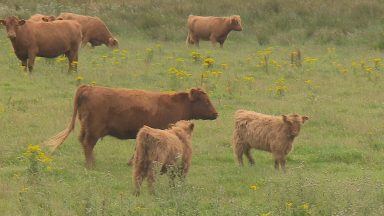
(119, 112)
(57, 37)
(203, 27)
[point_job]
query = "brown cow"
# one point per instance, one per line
(273, 134)
(42, 18)
(122, 112)
(94, 30)
(45, 39)
(170, 148)
(214, 29)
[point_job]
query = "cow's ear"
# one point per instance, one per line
(45, 19)
(305, 118)
(194, 94)
(2, 22)
(21, 22)
(60, 18)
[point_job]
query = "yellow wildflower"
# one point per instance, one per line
(305, 206)
(253, 187)
(289, 205)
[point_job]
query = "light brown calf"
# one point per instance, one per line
(165, 147)
(273, 134)
(214, 29)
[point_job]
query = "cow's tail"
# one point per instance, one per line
(55, 141)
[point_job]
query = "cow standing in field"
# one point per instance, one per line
(42, 18)
(273, 134)
(214, 29)
(44, 39)
(94, 30)
(122, 112)
(171, 148)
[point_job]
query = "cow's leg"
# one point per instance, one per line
(213, 40)
(24, 64)
(73, 57)
(89, 143)
(221, 44)
(277, 164)
(247, 151)
(282, 164)
(31, 62)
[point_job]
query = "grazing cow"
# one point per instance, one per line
(214, 29)
(171, 148)
(94, 30)
(273, 134)
(42, 18)
(122, 112)
(45, 39)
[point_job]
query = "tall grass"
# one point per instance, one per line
(265, 21)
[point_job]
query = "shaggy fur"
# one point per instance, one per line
(273, 134)
(122, 112)
(45, 39)
(214, 29)
(162, 146)
(94, 30)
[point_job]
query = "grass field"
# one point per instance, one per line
(336, 167)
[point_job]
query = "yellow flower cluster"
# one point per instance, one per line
(181, 74)
(310, 60)
(208, 62)
(196, 56)
(35, 152)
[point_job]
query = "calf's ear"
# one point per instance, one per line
(285, 118)
(2, 22)
(305, 118)
(191, 126)
(21, 22)
(45, 19)
(59, 18)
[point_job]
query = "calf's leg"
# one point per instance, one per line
(247, 151)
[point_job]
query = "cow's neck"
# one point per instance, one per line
(184, 104)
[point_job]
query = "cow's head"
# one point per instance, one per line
(113, 43)
(48, 18)
(201, 106)
(294, 122)
(235, 22)
(11, 24)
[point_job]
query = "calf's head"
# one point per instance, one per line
(11, 24)
(235, 23)
(294, 122)
(186, 127)
(201, 106)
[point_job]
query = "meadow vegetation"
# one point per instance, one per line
(316, 58)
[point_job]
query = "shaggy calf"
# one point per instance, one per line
(274, 134)
(166, 147)
(214, 29)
